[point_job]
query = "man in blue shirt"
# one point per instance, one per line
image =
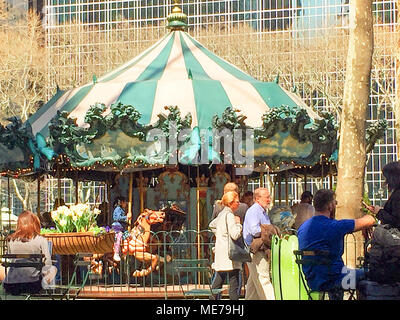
(258, 285)
(323, 232)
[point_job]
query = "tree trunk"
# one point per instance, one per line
(352, 154)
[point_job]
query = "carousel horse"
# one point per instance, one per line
(169, 218)
(137, 244)
(175, 217)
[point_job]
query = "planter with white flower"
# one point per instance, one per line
(76, 231)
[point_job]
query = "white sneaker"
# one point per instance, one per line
(116, 257)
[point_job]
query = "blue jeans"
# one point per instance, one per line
(219, 279)
(240, 280)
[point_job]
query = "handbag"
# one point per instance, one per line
(237, 249)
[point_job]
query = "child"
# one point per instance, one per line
(119, 225)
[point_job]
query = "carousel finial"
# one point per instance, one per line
(177, 20)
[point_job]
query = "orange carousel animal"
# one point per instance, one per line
(137, 244)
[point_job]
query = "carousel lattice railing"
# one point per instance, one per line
(117, 280)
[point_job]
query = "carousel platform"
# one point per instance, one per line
(136, 292)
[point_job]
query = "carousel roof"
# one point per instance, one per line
(175, 71)
(106, 122)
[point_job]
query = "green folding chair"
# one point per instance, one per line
(72, 290)
(197, 270)
(23, 261)
(304, 257)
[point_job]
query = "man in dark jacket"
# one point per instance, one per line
(240, 212)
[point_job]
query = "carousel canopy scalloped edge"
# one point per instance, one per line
(66, 136)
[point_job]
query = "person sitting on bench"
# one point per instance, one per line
(27, 240)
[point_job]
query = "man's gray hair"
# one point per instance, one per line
(259, 191)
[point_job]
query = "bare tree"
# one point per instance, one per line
(22, 72)
(22, 75)
(352, 148)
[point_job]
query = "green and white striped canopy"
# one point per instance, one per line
(176, 71)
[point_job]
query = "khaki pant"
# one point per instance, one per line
(259, 286)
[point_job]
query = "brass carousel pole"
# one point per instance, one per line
(286, 188)
(108, 187)
(330, 175)
(58, 184)
(141, 191)
(322, 173)
(305, 179)
(279, 188)
(130, 200)
(261, 179)
(38, 197)
(9, 204)
(198, 219)
(198, 210)
(76, 188)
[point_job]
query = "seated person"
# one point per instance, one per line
(323, 232)
(46, 220)
(27, 240)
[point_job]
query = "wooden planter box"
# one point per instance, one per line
(73, 242)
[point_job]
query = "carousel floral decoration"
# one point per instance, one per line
(76, 218)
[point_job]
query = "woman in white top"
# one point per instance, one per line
(27, 240)
(226, 225)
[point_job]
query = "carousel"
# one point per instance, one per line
(167, 130)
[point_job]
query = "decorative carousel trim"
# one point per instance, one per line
(65, 135)
(16, 135)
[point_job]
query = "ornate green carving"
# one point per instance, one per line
(14, 139)
(119, 138)
(230, 119)
(322, 133)
(65, 133)
(173, 118)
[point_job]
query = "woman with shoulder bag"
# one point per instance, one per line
(224, 226)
